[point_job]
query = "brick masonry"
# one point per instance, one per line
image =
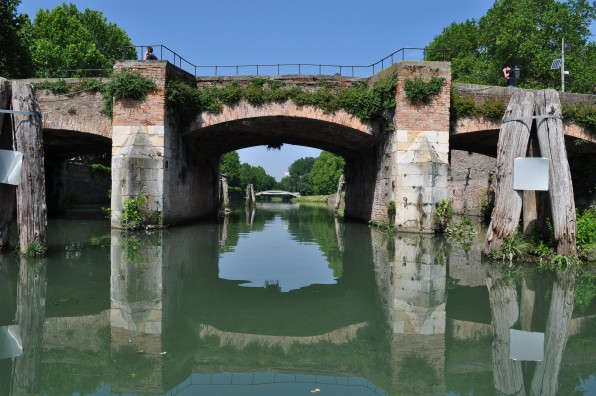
(420, 148)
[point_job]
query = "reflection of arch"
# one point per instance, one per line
(242, 340)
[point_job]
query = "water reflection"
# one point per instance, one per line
(153, 313)
(266, 257)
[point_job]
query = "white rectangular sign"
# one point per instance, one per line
(531, 173)
(10, 167)
(10, 341)
(526, 345)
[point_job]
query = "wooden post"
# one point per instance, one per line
(31, 198)
(340, 186)
(530, 197)
(507, 373)
(546, 374)
(226, 197)
(248, 195)
(252, 194)
(513, 143)
(31, 299)
(7, 192)
(552, 146)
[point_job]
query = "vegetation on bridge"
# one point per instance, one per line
(367, 101)
(582, 114)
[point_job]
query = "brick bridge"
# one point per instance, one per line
(178, 167)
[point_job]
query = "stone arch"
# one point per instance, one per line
(246, 125)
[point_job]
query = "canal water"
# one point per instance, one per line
(287, 300)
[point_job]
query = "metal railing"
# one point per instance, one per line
(164, 53)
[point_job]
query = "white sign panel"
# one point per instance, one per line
(526, 345)
(10, 341)
(10, 167)
(530, 173)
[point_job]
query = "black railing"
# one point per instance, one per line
(164, 53)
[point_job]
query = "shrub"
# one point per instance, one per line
(582, 114)
(491, 109)
(586, 226)
(418, 90)
(56, 87)
(126, 85)
(443, 214)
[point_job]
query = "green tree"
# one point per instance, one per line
(299, 179)
(325, 173)
(528, 34)
(67, 39)
(229, 163)
(257, 176)
(15, 58)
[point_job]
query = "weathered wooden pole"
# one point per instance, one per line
(507, 373)
(248, 195)
(31, 197)
(340, 186)
(530, 197)
(552, 146)
(513, 143)
(546, 374)
(31, 298)
(252, 194)
(226, 196)
(7, 191)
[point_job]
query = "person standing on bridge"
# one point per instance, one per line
(149, 55)
(510, 76)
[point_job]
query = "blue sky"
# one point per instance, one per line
(231, 32)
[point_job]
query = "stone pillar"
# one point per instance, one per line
(138, 142)
(136, 313)
(420, 149)
(150, 156)
(411, 278)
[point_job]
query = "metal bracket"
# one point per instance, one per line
(538, 117)
(21, 112)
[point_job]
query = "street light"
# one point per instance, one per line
(516, 72)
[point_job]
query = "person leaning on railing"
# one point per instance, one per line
(149, 55)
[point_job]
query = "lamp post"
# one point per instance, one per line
(563, 71)
(516, 72)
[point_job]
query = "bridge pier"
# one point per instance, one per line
(149, 157)
(420, 149)
(409, 166)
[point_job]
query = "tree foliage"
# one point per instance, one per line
(325, 173)
(299, 179)
(526, 33)
(68, 39)
(229, 164)
(257, 176)
(15, 58)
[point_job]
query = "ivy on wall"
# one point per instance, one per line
(582, 114)
(420, 91)
(126, 85)
(367, 101)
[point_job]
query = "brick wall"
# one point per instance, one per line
(419, 149)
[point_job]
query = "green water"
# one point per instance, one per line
(286, 300)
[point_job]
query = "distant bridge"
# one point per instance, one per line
(277, 193)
